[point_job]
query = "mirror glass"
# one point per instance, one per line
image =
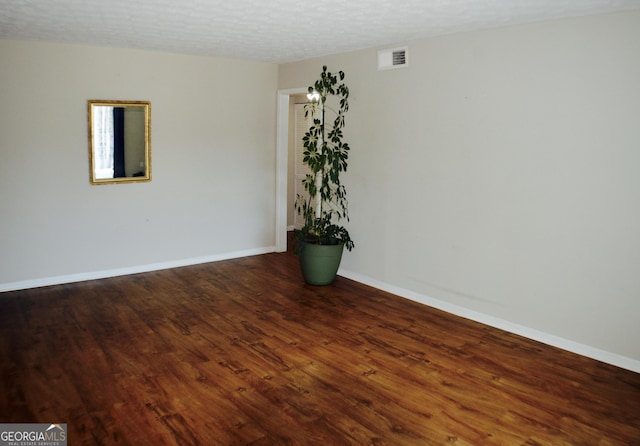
(119, 141)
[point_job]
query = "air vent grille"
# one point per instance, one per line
(399, 57)
(392, 58)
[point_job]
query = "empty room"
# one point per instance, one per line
(166, 167)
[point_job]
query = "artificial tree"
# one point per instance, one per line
(324, 204)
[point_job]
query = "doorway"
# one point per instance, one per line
(300, 169)
(282, 163)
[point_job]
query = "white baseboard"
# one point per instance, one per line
(530, 333)
(80, 277)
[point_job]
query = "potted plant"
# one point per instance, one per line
(324, 204)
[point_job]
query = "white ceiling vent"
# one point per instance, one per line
(393, 58)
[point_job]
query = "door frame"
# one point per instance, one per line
(282, 165)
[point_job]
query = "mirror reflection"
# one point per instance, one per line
(119, 141)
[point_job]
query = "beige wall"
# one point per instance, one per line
(213, 149)
(498, 173)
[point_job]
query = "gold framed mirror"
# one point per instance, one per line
(119, 141)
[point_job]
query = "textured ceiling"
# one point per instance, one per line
(274, 30)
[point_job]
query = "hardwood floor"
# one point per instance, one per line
(242, 352)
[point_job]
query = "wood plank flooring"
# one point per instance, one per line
(242, 352)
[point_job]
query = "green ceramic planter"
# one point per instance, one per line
(320, 263)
